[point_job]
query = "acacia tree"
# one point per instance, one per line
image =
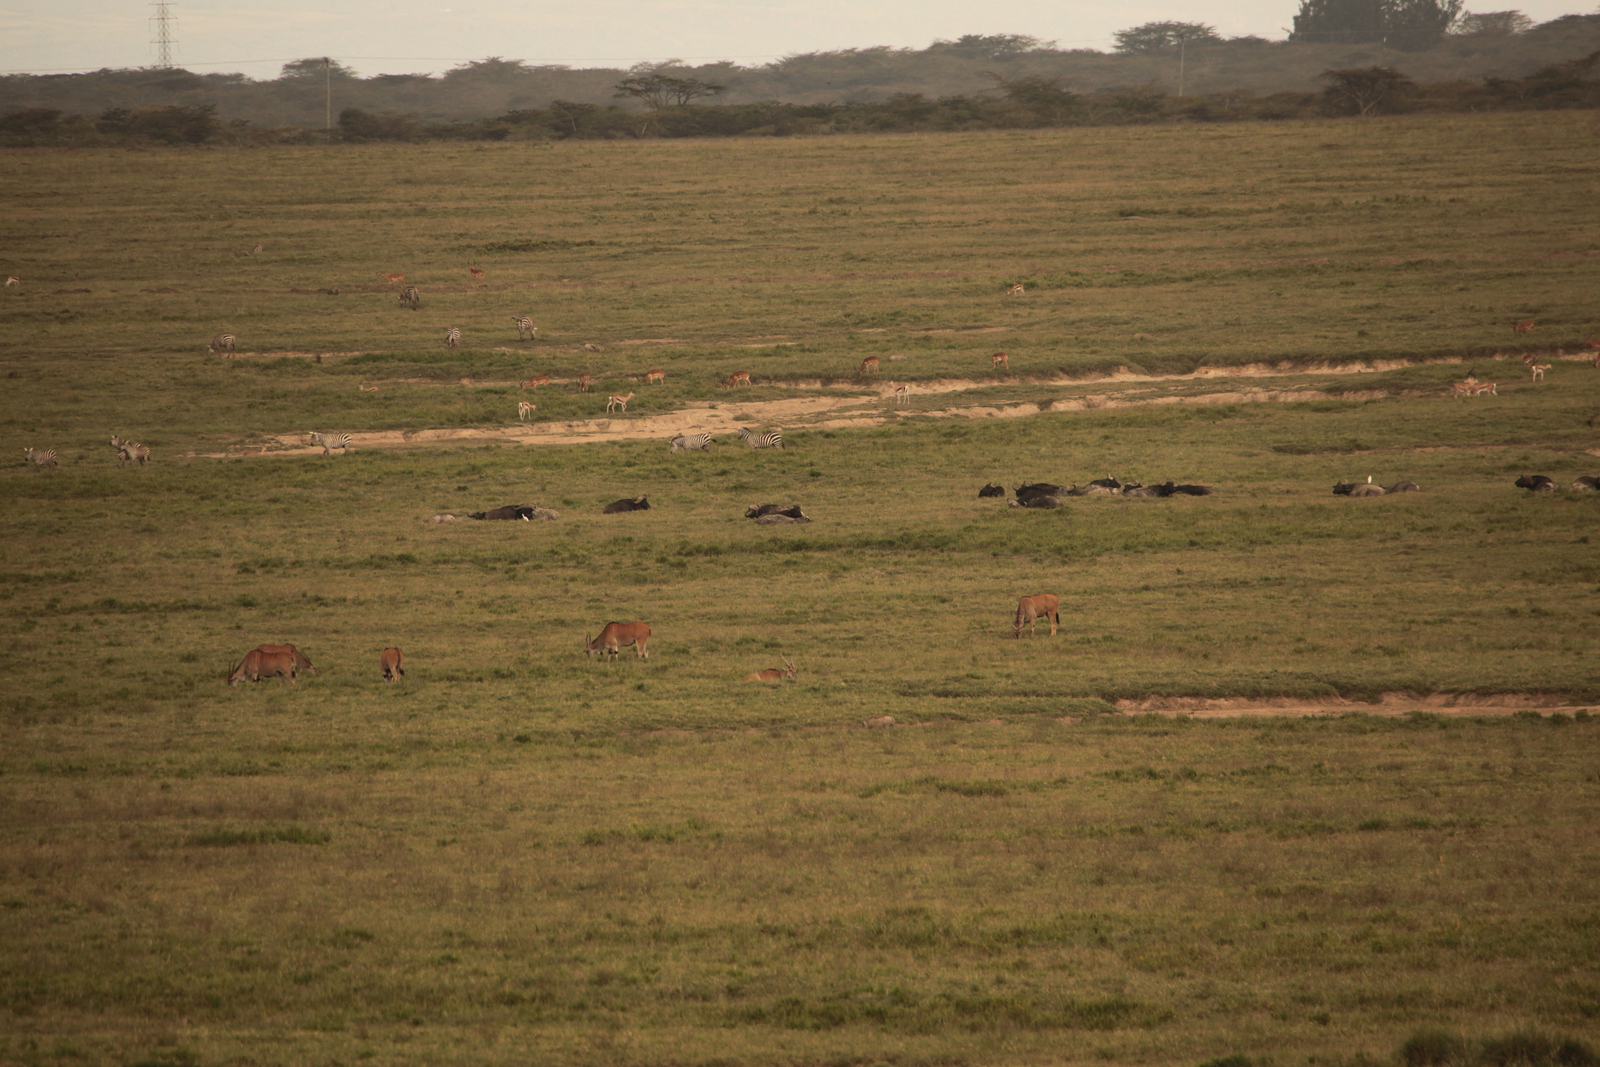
(1152, 37)
(316, 67)
(657, 90)
(1492, 24)
(1364, 88)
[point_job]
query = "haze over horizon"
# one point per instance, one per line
(417, 36)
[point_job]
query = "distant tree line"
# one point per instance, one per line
(1160, 72)
(1028, 102)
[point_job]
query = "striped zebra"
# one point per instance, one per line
(43, 459)
(452, 339)
(411, 297)
(330, 441)
(699, 442)
(770, 439)
(129, 451)
(525, 327)
(222, 342)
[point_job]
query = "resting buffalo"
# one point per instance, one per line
(509, 511)
(1107, 482)
(1586, 483)
(617, 507)
(1046, 501)
(782, 518)
(1403, 486)
(1092, 489)
(1026, 490)
(1539, 483)
(992, 490)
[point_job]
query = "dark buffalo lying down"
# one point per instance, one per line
(756, 511)
(1539, 483)
(617, 507)
(1027, 490)
(509, 511)
(992, 490)
(1045, 500)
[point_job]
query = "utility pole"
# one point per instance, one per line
(327, 87)
(162, 25)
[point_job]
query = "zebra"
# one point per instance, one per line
(42, 458)
(330, 441)
(130, 451)
(452, 340)
(525, 326)
(771, 439)
(411, 297)
(699, 442)
(222, 342)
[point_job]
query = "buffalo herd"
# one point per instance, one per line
(1047, 495)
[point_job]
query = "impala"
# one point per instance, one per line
(659, 376)
(1000, 359)
(869, 364)
(534, 383)
(389, 661)
(393, 279)
(477, 273)
(1525, 326)
(738, 377)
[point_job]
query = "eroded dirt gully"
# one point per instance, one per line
(724, 416)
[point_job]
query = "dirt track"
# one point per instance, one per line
(838, 412)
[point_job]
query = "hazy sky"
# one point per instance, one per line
(414, 36)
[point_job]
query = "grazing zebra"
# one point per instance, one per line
(452, 339)
(699, 442)
(411, 297)
(129, 451)
(41, 458)
(771, 439)
(525, 326)
(330, 441)
(222, 342)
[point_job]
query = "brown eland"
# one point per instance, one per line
(619, 634)
(1039, 606)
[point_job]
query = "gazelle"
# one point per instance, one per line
(869, 364)
(367, 388)
(1000, 359)
(659, 376)
(393, 279)
(1525, 326)
(1480, 388)
(737, 378)
(583, 382)
(525, 410)
(12, 279)
(1016, 290)
(534, 383)
(902, 395)
(618, 402)
(476, 272)
(1538, 370)
(774, 674)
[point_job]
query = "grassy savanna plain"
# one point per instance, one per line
(519, 855)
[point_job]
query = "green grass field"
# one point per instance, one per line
(519, 855)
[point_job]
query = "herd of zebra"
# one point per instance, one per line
(46, 459)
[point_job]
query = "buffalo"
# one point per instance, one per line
(1045, 501)
(617, 507)
(992, 490)
(778, 518)
(1033, 489)
(1586, 484)
(1537, 483)
(1403, 486)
